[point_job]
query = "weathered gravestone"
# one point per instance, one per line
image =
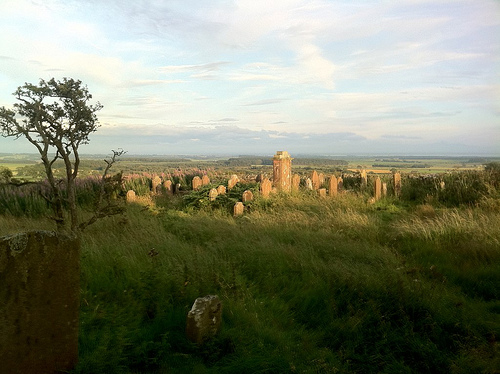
(196, 183)
(309, 184)
(396, 178)
(155, 183)
(322, 192)
(321, 178)
(340, 184)
(247, 196)
(168, 187)
(204, 319)
(39, 302)
(295, 182)
(282, 171)
(315, 180)
(266, 187)
(221, 190)
(364, 178)
(130, 198)
(384, 189)
(378, 189)
(238, 209)
(205, 180)
(332, 186)
(212, 195)
(232, 181)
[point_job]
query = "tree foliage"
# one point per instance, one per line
(56, 117)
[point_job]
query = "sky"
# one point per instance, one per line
(250, 77)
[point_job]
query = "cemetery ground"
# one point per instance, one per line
(308, 284)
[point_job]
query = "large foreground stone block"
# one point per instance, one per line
(39, 302)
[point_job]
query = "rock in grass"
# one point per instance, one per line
(204, 319)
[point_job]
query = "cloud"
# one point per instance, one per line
(265, 102)
(208, 67)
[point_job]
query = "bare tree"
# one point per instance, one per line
(56, 117)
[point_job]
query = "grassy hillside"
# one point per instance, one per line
(308, 285)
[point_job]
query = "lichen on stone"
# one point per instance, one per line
(18, 243)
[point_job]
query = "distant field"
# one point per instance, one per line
(27, 165)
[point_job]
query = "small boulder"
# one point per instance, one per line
(204, 319)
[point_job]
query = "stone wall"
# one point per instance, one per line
(39, 302)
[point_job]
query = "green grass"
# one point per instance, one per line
(307, 285)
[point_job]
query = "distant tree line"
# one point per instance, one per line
(411, 166)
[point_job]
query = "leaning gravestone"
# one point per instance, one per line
(204, 319)
(232, 181)
(39, 302)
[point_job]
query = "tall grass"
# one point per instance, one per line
(307, 285)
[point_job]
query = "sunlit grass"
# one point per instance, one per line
(308, 285)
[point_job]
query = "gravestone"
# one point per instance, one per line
(321, 178)
(295, 182)
(247, 196)
(130, 198)
(168, 187)
(332, 186)
(340, 184)
(378, 189)
(39, 302)
(364, 178)
(282, 171)
(155, 182)
(309, 184)
(221, 190)
(315, 180)
(322, 192)
(196, 183)
(396, 178)
(266, 187)
(384, 189)
(232, 181)
(238, 209)
(177, 188)
(205, 180)
(204, 319)
(212, 195)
